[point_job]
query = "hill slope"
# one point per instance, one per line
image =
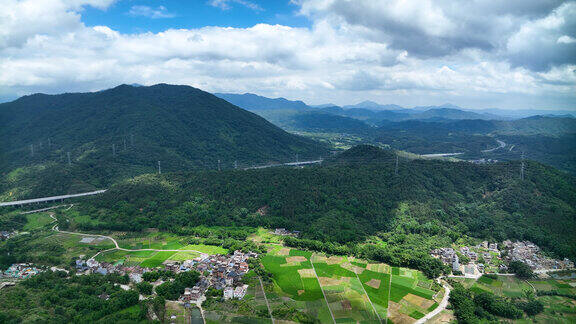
(427, 204)
(124, 131)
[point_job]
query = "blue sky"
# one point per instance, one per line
(192, 14)
(518, 54)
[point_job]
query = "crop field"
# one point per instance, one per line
(508, 286)
(354, 290)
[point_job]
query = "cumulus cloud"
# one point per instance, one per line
(149, 12)
(344, 57)
(543, 43)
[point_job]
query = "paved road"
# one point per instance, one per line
(284, 164)
(440, 308)
(501, 144)
(53, 198)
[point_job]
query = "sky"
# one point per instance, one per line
(514, 54)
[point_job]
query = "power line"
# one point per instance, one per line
(522, 168)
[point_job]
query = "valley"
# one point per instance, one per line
(335, 219)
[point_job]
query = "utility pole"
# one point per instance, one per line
(32, 149)
(113, 150)
(396, 167)
(522, 168)
(159, 168)
(68, 157)
(219, 165)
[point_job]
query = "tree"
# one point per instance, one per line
(144, 288)
(521, 269)
(159, 307)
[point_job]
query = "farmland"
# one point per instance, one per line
(348, 289)
(557, 309)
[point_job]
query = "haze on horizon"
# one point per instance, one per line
(518, 54)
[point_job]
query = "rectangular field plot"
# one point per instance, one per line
(292, 274)
(351, 290)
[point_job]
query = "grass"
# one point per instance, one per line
(157, 259)
(37, 221)
(208, 249)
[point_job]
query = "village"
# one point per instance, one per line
(222, 272)
(472, 261)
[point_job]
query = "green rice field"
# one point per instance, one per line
(349, 289)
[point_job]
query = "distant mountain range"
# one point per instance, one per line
(254, 102)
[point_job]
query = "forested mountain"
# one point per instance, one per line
(355, 195)
(124, 131)
(254, 102)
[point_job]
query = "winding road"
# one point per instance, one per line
(117, 247)
(440, 308)
(501, 144)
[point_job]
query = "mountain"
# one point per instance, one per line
(373, 106)
(254, 102)
(450, 113)
(322, 122)
(125, 131)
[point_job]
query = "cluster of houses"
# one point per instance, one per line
(20, 271)
(529, 253)
(104, 268)
(490, 257)
(485, 252)
(285, 232)
(4, 235)
(222, 272)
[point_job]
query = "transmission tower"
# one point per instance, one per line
(396, 166)
(159, 168)
(219, 169)
(235, 164)
(522, 168)
(32, 149)
(113, 150)
(68, 157)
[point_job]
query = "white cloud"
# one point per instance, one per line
(149, 12)
(227, 4)
(338, 59)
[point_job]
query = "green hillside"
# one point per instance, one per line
(356, 196)
(124, 131)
